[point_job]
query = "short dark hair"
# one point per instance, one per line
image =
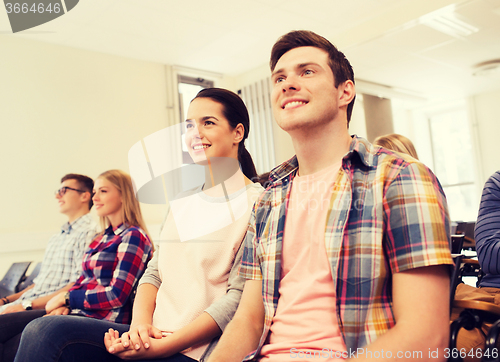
(341, 68)
(85, 183)
(236, 112)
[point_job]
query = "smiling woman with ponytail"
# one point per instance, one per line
(236, 113)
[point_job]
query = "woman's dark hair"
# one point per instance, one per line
(235, 112)
(263, 179)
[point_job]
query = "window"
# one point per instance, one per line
(442, 136)
(188, 89)
(454, 163)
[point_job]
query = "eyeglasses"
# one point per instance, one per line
(63, 190)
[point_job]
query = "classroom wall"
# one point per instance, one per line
(67, 110)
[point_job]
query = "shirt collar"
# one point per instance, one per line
(117, 231)
(364, 149)
(66, 227)
(75, 225)
(359, 146)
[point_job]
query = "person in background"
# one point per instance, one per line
(61, 265)
(487, 233)
(347, 252)
(191, 289)
(487, 239)
(111, 267)
(398, 143)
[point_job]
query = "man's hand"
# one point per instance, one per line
(13, 309)
(139, 335)
(59, 311)
(56, 302)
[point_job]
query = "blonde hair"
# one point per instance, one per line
(398, 143)
(131, 209)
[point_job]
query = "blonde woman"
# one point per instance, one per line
(398, 143)
(115, 260)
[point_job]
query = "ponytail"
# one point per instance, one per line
(246, 162)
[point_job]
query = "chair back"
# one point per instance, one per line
(457, 242)
(27, 281)
(12, 278)
(467, 229)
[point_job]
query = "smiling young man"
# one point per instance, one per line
(347, 250)
(61, 265)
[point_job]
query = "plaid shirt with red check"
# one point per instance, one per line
(387, 214)
(112, 266)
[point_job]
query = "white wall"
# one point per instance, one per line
(66, 110)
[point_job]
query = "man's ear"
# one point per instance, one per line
(85, 197)
(239, 133)
(347, 92)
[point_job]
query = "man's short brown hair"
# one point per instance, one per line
(341, 68)
(85, 183)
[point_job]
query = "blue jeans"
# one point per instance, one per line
(72, 339)
(11, 327)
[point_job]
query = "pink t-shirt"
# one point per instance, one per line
(305, 324)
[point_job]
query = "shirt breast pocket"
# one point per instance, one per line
(362, 261)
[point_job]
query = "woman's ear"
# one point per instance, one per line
(238, 133)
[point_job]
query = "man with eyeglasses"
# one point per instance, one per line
(61, 265)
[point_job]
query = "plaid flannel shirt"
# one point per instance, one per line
(112, 267)
(387, 214)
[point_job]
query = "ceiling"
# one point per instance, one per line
(388, 42)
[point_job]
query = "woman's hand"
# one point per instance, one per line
(113, 342)
(56, 302)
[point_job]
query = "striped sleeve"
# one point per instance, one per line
(487, 232)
